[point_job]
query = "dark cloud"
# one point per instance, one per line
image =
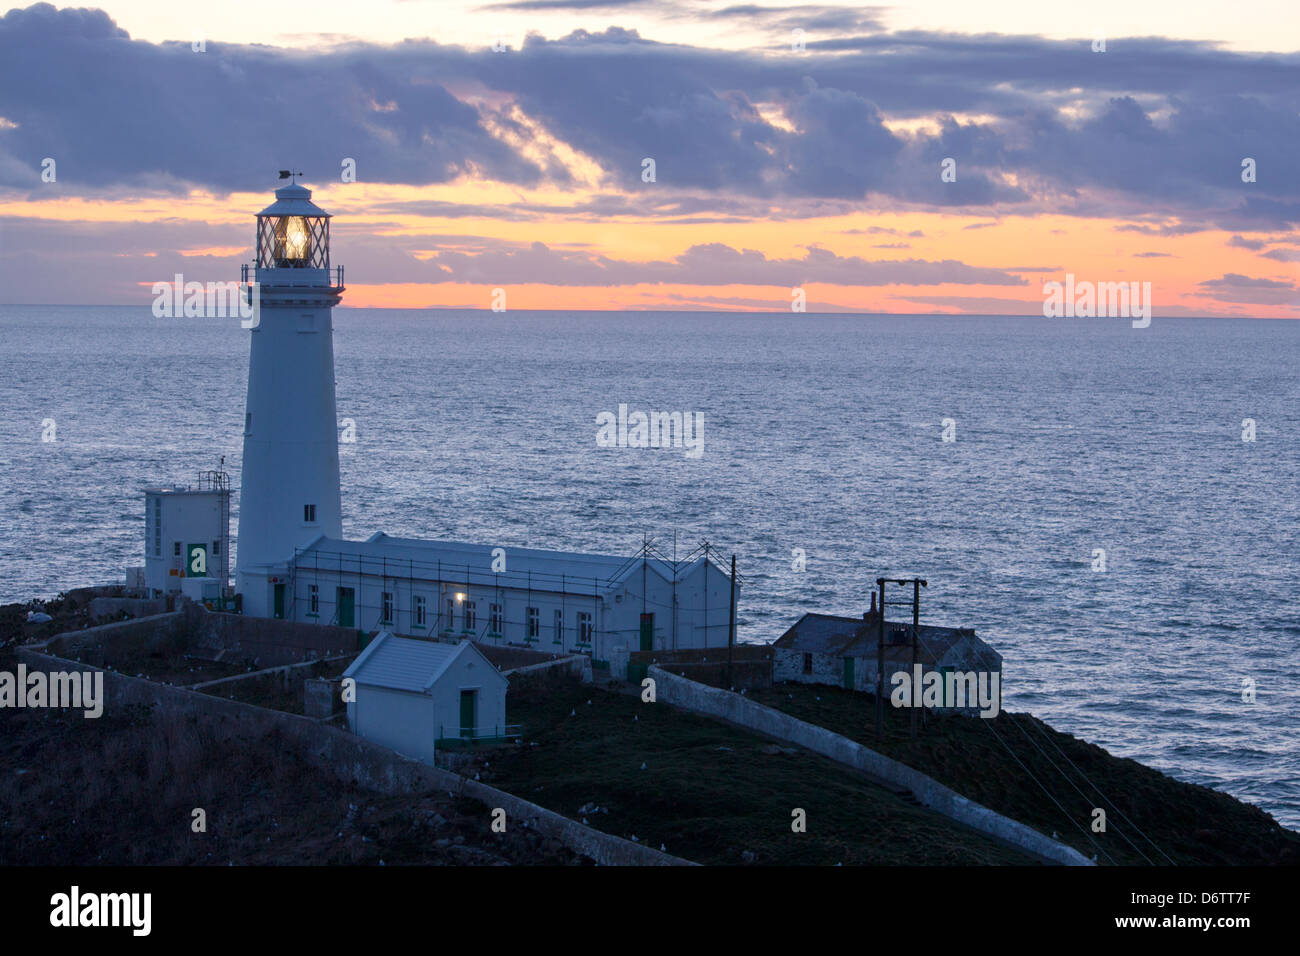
(810, 17)
(707, 264)
(1233, 287)
(66, 261)
(1162, 128)
(569, 6)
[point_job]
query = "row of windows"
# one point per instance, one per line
(469, 616)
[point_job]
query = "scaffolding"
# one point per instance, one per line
(219, 481)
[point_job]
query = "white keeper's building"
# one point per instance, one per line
(557, 601)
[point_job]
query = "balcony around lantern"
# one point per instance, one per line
(331, 279)
(286, 285)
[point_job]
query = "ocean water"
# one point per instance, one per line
(821, 433)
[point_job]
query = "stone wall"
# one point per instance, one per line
(751, 664)
(579, 665)
(108, 642)
(267, 641)
(701, 655)
(511, 657)
(689, 695)
(102, 608)
(350, 758)
(321, 697)
(202, 633)
(788, 664)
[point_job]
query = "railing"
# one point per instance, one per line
(248, 273)
(478, 735)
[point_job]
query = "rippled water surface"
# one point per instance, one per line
(821, 433)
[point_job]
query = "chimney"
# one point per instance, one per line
(872, 613)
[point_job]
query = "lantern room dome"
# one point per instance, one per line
(294, 200)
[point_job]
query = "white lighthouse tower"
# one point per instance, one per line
(290, 488)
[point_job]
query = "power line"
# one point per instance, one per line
(1104, 797)
(1014, 756)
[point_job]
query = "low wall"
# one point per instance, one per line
(348, 757)
(105, 607)
(705, 655)
(268, 641)
(740, 674)
(751, 664)
(689, 695)
(202, 633)
(508, 657)
(100, 645)
(579, 665)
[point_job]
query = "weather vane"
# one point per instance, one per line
(290, 175)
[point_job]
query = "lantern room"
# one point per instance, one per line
(293, 232)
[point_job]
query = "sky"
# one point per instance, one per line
(914, 158)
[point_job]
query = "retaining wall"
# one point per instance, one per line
(268, 641)
(103, 644)
(577, 665)
(103, 607)
(348, 757)
(690, 695)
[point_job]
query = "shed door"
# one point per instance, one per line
(467, 714)
(279, 600)
(848, 673)
(647, 632)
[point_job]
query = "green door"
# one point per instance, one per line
(279, 600)
(848, 673)
(467, 714)
(647, 632)
(346, 601)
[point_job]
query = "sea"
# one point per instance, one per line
(1115, 509)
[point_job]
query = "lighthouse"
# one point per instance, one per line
(289, 494)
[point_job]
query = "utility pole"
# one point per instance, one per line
(731, 627)
(915, 604)
(916, 624)
(880, 659)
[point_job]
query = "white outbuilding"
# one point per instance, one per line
(414, 695)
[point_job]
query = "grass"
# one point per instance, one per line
(1193, 825)
(275, 692)
(120, 790)
(709, 792)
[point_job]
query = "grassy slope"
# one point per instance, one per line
(120, 789)
(1192, 824)
(709, 792)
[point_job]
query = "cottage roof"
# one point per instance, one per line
(400, 663)
(858, 637)
(820, 633)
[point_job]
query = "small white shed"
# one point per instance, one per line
(410, 694)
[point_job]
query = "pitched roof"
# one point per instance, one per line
(457, 561)
(820, 633)
(400, 663)
(857, 637)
